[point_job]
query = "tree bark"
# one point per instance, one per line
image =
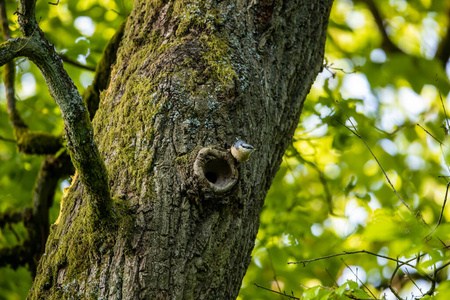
(190, 78)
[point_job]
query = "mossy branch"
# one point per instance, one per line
(84, 152)
(27, 141)
(11, 49)
(32, 142)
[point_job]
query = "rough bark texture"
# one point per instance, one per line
(190, 77)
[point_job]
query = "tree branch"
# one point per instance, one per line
(84, 152)
(27, 141)
(356, 133)
(443, 52)
(26, 17)
(276, 292)
(9, 72)
(387, 43)
(11, 49)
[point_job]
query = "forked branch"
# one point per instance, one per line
(84, 152)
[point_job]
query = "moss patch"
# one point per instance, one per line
(83, 243)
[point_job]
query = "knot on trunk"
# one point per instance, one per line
(216, 168)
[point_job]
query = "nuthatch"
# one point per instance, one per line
(241, 150)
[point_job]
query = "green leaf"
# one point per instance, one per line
(311, 293)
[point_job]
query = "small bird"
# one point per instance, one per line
(241, 150)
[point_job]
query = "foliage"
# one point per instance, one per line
(376, 100)
(331, 196)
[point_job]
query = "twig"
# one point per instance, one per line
(412, 280)
(376, 159)
(392, 278)
(329, 67)
(9, 71)
(7, 140)
(442, 267)
(356, 275)
(273, 270)
(433, 284)
(443, 206)
(347, 127)
(57, 2)
(273, 291)
(430, 135)
(331, 277)
(306, 262)
(445, 113)
(75, 63)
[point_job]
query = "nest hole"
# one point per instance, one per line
(217, 171)
(218, 168)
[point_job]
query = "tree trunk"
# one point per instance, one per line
(190, 78)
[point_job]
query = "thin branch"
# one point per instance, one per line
(53, 168)
(356, 275)
(9, 71)
(430, 134)
(91, 95)
(445, 112)
(433, 284)
(273, 291)
(306, 262)
(329, 67)
(273, 270)
(412, 280)
(75, 63)
(331, 277)
(376, 159)
(356, 134)
(442, 267)
(7, 140)
(443, 206)
(392, 279)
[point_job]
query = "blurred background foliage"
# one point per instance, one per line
(385, 71)
(384, 77)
